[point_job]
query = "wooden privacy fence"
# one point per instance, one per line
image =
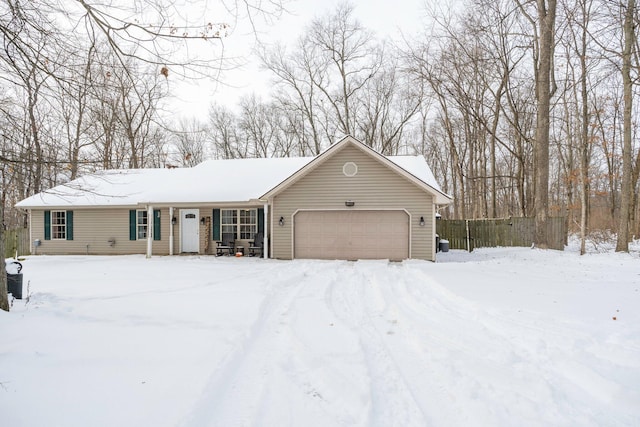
(16, 241)
(491, 233)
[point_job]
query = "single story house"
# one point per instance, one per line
(349, 202)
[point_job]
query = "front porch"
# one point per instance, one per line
(213, 230)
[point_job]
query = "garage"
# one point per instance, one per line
(351, 234)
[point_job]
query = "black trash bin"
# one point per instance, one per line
(444, 245)
(14, 281)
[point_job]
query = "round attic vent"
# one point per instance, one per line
(350, 169)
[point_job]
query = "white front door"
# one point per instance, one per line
(189, 230)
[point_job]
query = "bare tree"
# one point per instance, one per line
(606, 109)
(580, 135)
(259, 126)
(543, 24)
(26, 75)
(470, 66)
(138, 100)
(224, 134)
(629, 44)
(352, 59)
(190, 142)
(330, 77)
(74, 95)
(4, 299)
(297, 75)
(391, 99)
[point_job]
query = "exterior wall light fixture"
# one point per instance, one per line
(421, 223)
(281, 221)
(202, 220)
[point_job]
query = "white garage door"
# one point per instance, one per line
(351, 235)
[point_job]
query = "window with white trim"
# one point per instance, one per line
(142, 224)
(248, 223)
(59, 225)
(243, 223)
(228, 222)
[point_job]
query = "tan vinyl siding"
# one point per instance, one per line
(92, 230)
(95, 227)
(375, 186)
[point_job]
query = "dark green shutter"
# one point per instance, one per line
(216, 224)
(69, 225)
(47, 225)
(133, 225)
(261, 220)
(156, 224)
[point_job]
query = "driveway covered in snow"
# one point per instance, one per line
(498, 337)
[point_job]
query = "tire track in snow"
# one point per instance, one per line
(422, 355)
(393, 402)
(469, 354)
(414, 336)
(506, 368)
(236, 391)
(439, 332)
(435, 334)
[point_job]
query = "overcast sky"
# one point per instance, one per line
(387, 18)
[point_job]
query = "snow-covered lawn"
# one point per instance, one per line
(498, 337)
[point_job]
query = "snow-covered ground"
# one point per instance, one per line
(497, 337)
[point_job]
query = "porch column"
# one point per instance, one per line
(171, 231)
(32, 246)
(265, 242)
(149, 231)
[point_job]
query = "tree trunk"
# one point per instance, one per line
(546, 22)
(622, 244)
(4, 297)
(584, 154)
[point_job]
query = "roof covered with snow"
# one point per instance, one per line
(213, 181)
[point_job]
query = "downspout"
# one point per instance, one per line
(265, 242)
(149, 231)
(171, 230)
(434, 251)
